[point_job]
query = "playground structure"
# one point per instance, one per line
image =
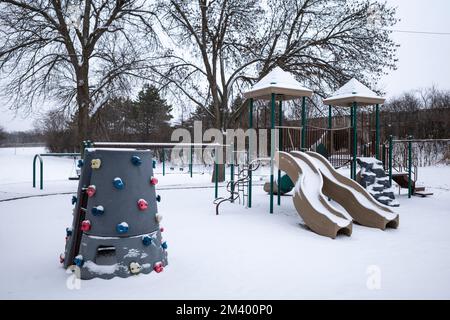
(116, 225)
(308, 198)
(237, 187)
(40, 156)
(279, 86)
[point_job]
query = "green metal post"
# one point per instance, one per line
(232, 181)
(191, 157)
(280, 147)
(272, 147)
(250, 126)
(303, 146)
(377, 132)
(390, 160)
(355, 137)
(232, 172)
(329, 118)
(351, 124)
(330, 135)
(34, 171)
(409, 166)
(231, 159)
(216, 174)
(164, 161)
(41, 174)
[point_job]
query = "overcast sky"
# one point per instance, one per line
(424, 59)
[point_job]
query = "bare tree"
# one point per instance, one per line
(223, 46)
(80, 52)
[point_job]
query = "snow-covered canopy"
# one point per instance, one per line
(280, 82)
(354, 91)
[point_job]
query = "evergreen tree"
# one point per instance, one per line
(2, 134)
(151, 115)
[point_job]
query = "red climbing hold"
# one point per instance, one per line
(85, 225)
(142, 204)
(90, 191)
(158, 267)
(161, 229)
(153, 181)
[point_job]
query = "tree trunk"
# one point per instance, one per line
(83, 117)
(84, 101)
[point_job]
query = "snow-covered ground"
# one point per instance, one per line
(240, 254)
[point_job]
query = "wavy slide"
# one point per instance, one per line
(359, 203)
(315, 181)
(311, 204)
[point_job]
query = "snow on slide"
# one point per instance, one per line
(311, 204)
(359, 203)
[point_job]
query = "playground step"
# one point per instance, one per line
(423, 194)
(419, 189)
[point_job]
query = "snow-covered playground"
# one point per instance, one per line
(240, 254)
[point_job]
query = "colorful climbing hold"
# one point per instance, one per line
(158, 218)
(80, 163)
(96, 163)
(118, 183)
(78, 260)
(74, 199)
(122, 227)
(98, 210)
(62, 256)
(68, 231)
(135, 160)
(142, 204)
(153, 181)
(158, 198)
(146, 240)
(135, 267)
(91, 190)
(85, 225)
(154, 163)
(161, 229)
(164, 245)
(158, 267)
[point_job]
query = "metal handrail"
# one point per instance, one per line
(41, 165)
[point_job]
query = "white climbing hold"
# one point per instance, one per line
(135, 267)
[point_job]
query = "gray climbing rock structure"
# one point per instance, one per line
(373, 177)
(116, 227)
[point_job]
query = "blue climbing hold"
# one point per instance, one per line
(80, 163)
(74, 199)
(78, 261)
(122, 227)
(158, 198)
(154, 163)
(146, 240)
(164, 245)
(68, 232)
(136, 160)
(118, 183)
(98, 210)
